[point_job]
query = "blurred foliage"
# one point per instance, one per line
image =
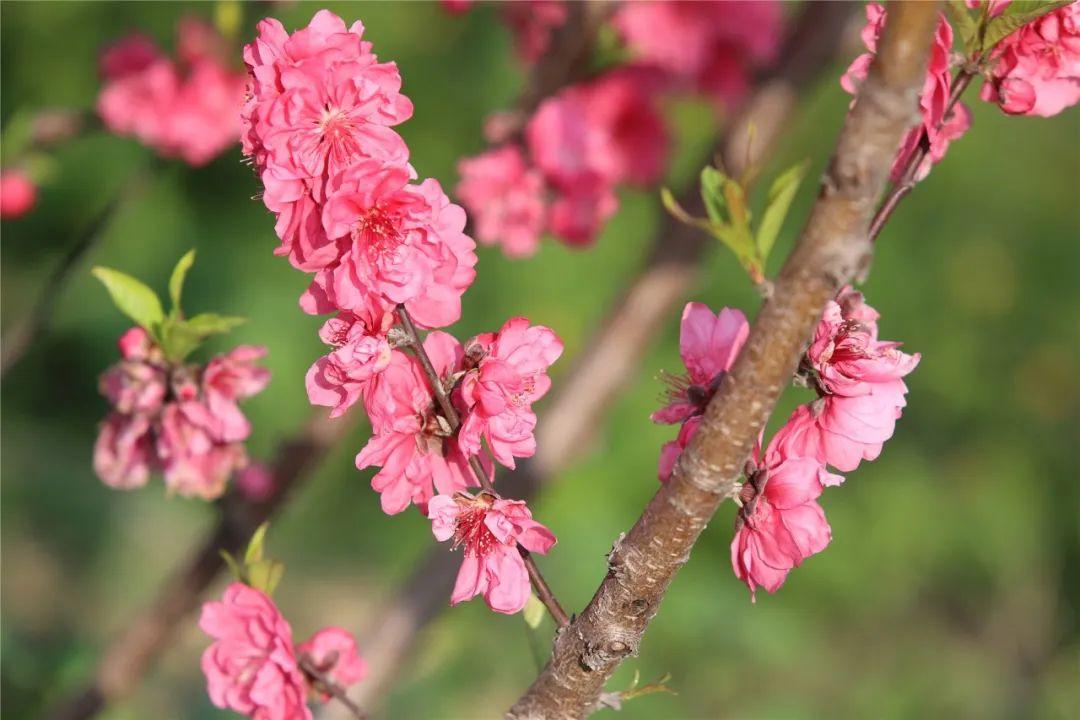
(952, 583)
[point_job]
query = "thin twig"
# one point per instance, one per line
(324, 684)
(543, 589)
(907, 180)
(833, 250)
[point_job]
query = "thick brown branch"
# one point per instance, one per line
(834, 249)
(147, 635)
(581, 397)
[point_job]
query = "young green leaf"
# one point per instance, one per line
(1016, 16)
(712, 192)
(265, 575)
(777, 203)
(179, 338)
(966, 25)
(254, 552)
(132, 298)
(672, 206)
(533, 612)
(207, 324)
(234, 567)
(176, 280)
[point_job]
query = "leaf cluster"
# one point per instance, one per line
(177, 335)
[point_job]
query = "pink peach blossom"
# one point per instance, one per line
(135, 344)
(186, 108)
(591, 137)
(256, 483)
(1036, 70)
(940, 124)
(181, 419)
(399, 242)
(785, 525)
(505, 198)
(581, 206)
(860, 380)
(671, 450)
(708, 344)
(994, 7)
(411, 442)
(709, 46)
(361, 351)
(17, 194)
(317, 100)
(132, 386)
(228, 378)
(124, 451)
(507, 373)
(490, 530)
(251, 667)
(610, 127)
(333, 651)
(195, 463)
(843, 431)
(532, 23)
(848, 357)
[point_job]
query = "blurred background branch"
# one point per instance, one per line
(146, 636)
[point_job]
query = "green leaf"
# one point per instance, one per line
(672, 206)
(206, 324)
(534, 611)
(1016, 16)
(777, 203)
(176, 280)
(967, 27)
(712, 192)
(234, 567)
(254, 552)
(228, 16)
(132, 297)
(265, 575)
(179, 338)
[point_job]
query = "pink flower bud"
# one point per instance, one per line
(17, 194)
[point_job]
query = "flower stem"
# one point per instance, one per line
(540, 585)
(323, 683)
(907, 181)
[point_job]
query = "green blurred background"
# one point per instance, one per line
(952, 582)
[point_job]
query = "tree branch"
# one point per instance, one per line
(611, 359)
(834, 249)
(147, 635)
